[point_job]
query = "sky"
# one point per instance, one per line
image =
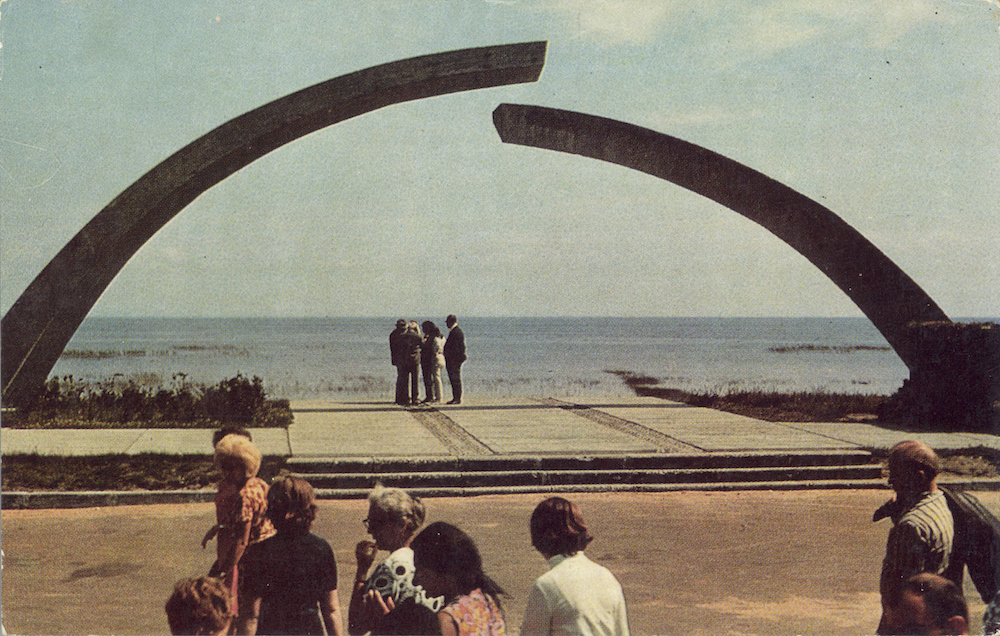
(884, 111)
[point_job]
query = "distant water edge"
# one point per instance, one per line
(348, 358)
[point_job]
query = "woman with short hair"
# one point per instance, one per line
(576, 595)
(240, 508)
(288, 583)
(394, 516)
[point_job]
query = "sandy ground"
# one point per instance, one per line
(691, 563)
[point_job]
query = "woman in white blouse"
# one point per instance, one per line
(576, 595)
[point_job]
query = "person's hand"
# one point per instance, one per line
(385, 604)
(214, 530)
(365, 552)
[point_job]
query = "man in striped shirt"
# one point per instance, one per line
(923, 531)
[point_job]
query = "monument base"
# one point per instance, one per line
(956, 386)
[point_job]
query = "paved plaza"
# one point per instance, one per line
(800, 562)
(743, 562)
(498, 426)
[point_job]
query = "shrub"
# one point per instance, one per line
(238, 400)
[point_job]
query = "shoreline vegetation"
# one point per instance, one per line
(811, 348)
(118, 402)
(798, 406)
(146, 402)
(110, 354)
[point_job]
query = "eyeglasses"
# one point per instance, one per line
(374, 521)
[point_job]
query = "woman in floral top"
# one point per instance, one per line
(448, 564)
(240, 507)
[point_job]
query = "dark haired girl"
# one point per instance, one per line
(448, 564)
(432, 361)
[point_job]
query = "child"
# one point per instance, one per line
(199, 606)
(216, 438)
(240, 507)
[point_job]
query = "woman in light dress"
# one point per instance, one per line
(432, 361)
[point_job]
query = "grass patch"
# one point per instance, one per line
(118, 472)
(969, 465)
(798, 406)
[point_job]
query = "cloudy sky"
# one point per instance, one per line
(884, 111)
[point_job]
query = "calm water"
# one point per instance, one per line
(348, 358)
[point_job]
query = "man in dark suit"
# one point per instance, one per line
(454, 356)
(398, 350)
(412, 343)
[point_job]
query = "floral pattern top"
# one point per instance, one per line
(476, 614)
(248, 505)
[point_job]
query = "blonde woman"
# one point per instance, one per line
(240, 508)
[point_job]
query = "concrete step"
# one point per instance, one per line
(825, 484)
(355, 476)
(497, 478)
(650, 461)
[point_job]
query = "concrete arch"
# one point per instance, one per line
(41, 322)
(886, 295)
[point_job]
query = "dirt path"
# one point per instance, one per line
(691, 563)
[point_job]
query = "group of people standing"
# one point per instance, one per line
(273, 576)
(415, 348)
(433, 581)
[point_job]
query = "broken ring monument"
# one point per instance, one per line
(954, 368)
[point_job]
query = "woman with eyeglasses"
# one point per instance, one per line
(393, 519)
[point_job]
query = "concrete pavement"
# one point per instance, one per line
(497, 426)
(483, 428)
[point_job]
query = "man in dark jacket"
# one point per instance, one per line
(454, 356)
(397, 350)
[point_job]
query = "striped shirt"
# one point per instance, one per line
(920, 541)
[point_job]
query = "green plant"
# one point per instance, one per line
(120, 401)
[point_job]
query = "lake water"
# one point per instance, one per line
(348, 358)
